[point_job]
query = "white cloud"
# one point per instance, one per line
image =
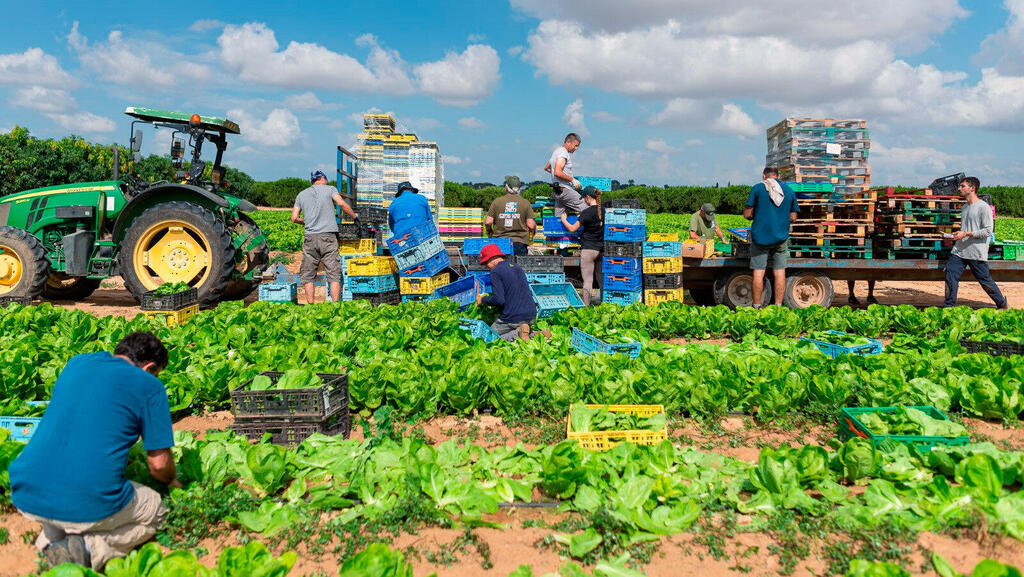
(1004, 48)
(574, 119)
(915, 165)
(694, 142)
(304, 101)
(461, 80)
(33, 67)
(605, 116)
(659, 145)
(280, 128)
(452, 159)
(44, 99)
(475, 38)
(471, 123)
(423, 124)
(705, 115)
(133, 62)
(514, 51)
(205, 25)
(83, 122)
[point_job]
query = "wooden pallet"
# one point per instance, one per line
(916, 243)
(824, 170)
(831, 251)
(917, 230)
(918, 218)
(818, 123)
(831, 228)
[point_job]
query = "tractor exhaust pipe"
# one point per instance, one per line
(117, 162)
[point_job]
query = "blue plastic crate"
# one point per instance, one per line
(413, 237)
(589, 345)
(663, 249)
(625, 216)
(473, 245)
(478, 329)
(416, 298)
(622, 265)
(279, 292)
(429, 267)
(551, 298)
(622, 282)
(553, 226)
(625, 232)
(740, 233)
(462, 291)
(599, 182)
(545, 277)
(21, 428)
(484, 278)
(624, 298)
(372, 284)
(873, 347)
(418, 254)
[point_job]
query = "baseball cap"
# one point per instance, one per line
(708, 208)
(490, 251)
(590, 191)
(316, 175)
(513, 181)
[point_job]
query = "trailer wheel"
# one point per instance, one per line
(737, 290)
(806, 289)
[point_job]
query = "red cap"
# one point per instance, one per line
(489, 251)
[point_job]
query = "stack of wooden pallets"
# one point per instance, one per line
(913, 223)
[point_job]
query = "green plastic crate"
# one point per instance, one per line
(850, 426)
(1013, 251)
(723, 247)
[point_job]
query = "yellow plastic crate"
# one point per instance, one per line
(654, 297)
(423, 285)
(605, 440)
(174, 318)
(663, 265)
(362, 246)
(663, 236)
(371, 266)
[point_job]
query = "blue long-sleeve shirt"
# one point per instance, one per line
(511, 293)
(408, 210)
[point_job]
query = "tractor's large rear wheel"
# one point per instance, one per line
(61, 287)
(246, 261)
(23, 264)
(177, 242)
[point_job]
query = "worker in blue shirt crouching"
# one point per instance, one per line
(511, 292)
(408, 210)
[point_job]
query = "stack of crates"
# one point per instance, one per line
(555, 233)
(542, 269)
(471, 252)
(456, 224)
(174, 309)
(663, 269)
(419, 252)
(372, 278)
(625, 228)
(290, 416)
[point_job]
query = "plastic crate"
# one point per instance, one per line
(370, 266)
(174, 318)
(654, 297)
(279, 292)
(798, 187)
(993, 348)
(947, 185)
(605, 440)
(663, 281)
(412, 237)
(630, 249)
(372, 214)
(290, 433)
(740, 233)
(417, 298)
(314, 403)
(623, 265)
(850, 426)
(623, 203)
(545, 277)
(622, 282)
(363, 246)
(663, 265)
(424, 285)
(377, 299)
(625, 216)
(429, 267)
(599, 182)
(663, 249)
(553, 226)
(551, 298)
(723, 247)
(663, 237)
(540, 263)
(462, 291)
(1013, 252)
(873, 347)
(21, 428)
(372, 284)
(419, 253)
(172, 302)
(23, 301)
(483, 277)
(589, 345)
(625, 233)
(624, 298)
(478, 329)
(473, 245)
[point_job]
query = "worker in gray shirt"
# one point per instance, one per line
(564, 185)
(320, 241)
(971, 247)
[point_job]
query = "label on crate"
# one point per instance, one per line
(327, 400)
(833, 148)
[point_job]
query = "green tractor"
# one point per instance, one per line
(60, 242)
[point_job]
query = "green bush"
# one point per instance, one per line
(280, 193)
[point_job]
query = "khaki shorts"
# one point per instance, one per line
(759, 255)
(317, 249)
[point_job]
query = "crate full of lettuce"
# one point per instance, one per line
(925, 426)
(601, 427)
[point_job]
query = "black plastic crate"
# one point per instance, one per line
(325, 401)
(23, 301)
(663, 281)
(540, 263)
(372, 214)
(371, 231)
(623, 203)
(172, 302)
(947, 185)
(376, 299)
(740, 250)
(350, 231)
(630, 249)
(992, 348)
(291, 432)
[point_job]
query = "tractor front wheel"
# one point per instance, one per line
(246, 261)
(23, 264)
(61, 287)
(177, 242)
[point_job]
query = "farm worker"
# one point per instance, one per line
(772, 206)
(591, 241)
(703, 225)
(71, 476)
(408, 210)
(511, 293)
(511, 216)
(853, 300)
(320, 241)
(971, 247)
(563, 184)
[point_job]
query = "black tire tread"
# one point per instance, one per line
(37, 266)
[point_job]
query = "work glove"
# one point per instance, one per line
(576, 184)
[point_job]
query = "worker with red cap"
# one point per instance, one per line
(511, 292)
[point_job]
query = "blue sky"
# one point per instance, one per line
(664, 91)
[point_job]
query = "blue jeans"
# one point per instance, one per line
(519, 248)
(956, 266)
